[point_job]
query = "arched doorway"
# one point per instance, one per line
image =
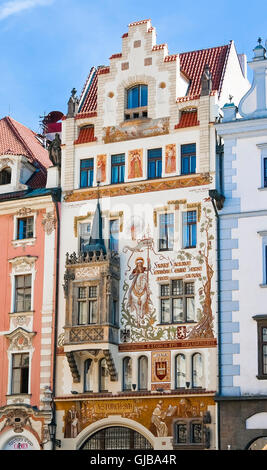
(116, 437)
(260, 443)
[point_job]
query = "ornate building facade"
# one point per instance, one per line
(137, 330)
(243, 273)
(28, 256)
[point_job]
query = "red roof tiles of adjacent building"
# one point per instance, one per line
(16, 139)
(187, 119)
(191, 65)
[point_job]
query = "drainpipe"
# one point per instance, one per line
(56, 199)
(214, 195)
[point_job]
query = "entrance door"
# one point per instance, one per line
(116, 437)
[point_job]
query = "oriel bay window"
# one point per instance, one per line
(85, 305)
(177, 302)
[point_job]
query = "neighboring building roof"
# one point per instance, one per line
(191, 65)
(16, 139)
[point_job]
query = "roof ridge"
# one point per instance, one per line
(205, 49)
(18, 135)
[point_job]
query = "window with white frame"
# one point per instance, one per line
(189, 229)
(87, 375)
(127, 373)
(24, 227)
(20, 373)
(177, 302)
(197, 370)
(166, 231)
(23, 293)
(180, 371)
(142, 373)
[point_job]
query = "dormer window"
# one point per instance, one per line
(136, 102)
(5, 176)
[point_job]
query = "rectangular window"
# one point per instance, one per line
(24, 228)
(117, 168)
(20, 373)
(114, 228)
(166, 231)
(23, 293)
(188, 159)
(265, 172)
(189, 433)
(177, 302)
(84, 236)
(189, 229)
(87, 305)
(86, 173)
(154, 159)
(181, 433)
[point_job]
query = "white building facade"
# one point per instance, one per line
(137, 331)
(243, 282)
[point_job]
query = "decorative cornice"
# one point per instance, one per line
(137, 188)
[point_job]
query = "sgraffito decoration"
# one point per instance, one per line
(135, 164)
(170, 158)
(146, 269)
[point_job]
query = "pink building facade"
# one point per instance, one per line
(29, 215)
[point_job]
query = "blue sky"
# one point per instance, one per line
(47, 47)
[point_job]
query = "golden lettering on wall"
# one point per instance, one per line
(135, 164)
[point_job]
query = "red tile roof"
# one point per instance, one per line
(86, 134)
(187, 119)
(191, 65)
(16, 139)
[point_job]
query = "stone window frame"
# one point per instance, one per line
(133, 80)
(188, 422)
(261, 321)
(263, 149)
(171, 296)
(22, 265)
(23, 213)
(263, 235)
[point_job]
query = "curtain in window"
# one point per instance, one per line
(87, 366)
(143, 373)
(127, 373)
(197, 369)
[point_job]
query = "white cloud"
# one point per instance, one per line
(16, 6)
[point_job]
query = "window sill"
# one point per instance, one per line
(183, 323)
(263, 286)
(263, 188)
(23, 242)
(18, 314)
(261, 377)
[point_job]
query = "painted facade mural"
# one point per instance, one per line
(156, 414)
(145, 267)
(170, 158)
(135, 164)
(138, 130)
(101, 165)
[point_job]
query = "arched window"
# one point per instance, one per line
(103, 376)
(136, 100)
(5, 176)
(142, 373)
(86, 382)
(180, 371)
(197, 370)
(127, 373)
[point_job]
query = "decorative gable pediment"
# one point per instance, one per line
(20, 339)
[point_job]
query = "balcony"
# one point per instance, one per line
(84, 334)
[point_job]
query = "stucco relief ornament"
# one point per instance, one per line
(5, 162)
(49, 223)
(24, 212)
(17, 419)
(20, 339)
